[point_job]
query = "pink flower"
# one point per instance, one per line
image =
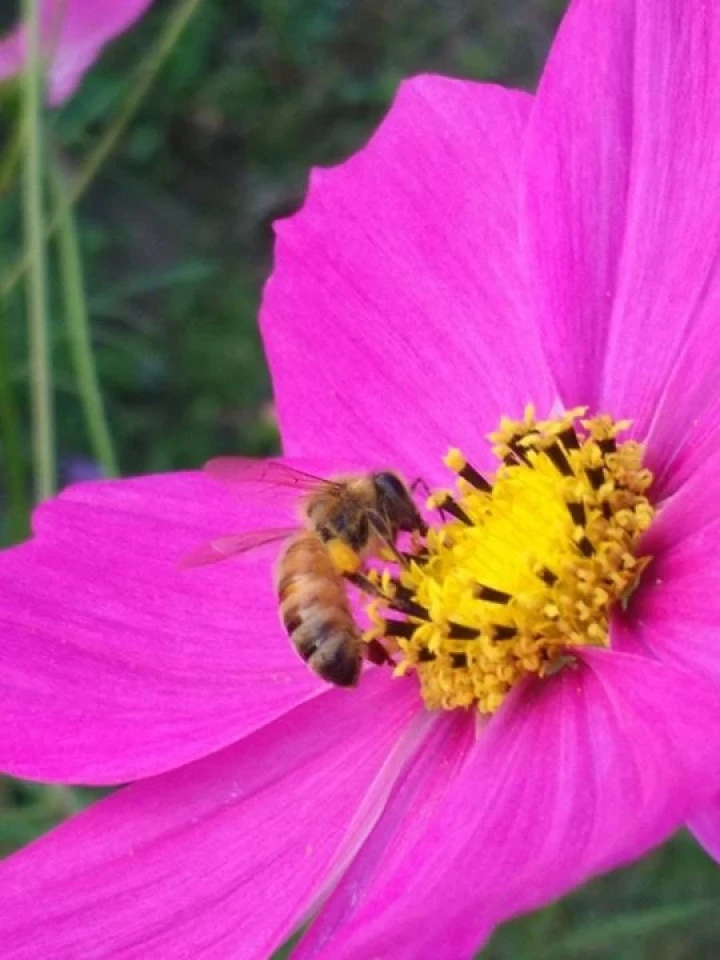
(74, 34)
(485, 249)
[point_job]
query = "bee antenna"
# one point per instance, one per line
(420, 482)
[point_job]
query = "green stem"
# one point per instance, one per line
(147, 72)
(78, 329)
(12, 155)
(13, 456)
(38, 337)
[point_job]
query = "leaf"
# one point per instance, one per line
(191, 271)
(603, 934)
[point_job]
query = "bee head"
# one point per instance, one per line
(395, 502)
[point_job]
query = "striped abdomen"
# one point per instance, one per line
(315, 611)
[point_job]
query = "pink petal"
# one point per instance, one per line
(413, 801)
(74, 33)
(693, 508)
(665, 316)
(222, 858)
(115, 663)
(576, 775)
(623, 216)
(688, 472)
(574, 191)
(397, 320)
(675, 612)
(705, 827)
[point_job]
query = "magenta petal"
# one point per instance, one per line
(692, 509)
(116, 664)
(663, 349)
(222, 858)
(576, 775)
(414, 798)
(623, 213)
(705, 827)
(74, 33)
(675, 612)
(397, 320)
(575, 185)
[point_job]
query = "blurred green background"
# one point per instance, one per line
(176, 239)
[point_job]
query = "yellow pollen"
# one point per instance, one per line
(522, 569)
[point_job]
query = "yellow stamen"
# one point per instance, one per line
(524, 569)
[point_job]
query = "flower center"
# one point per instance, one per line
(523, 569)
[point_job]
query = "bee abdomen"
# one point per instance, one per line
(315, 612)
(333, 652)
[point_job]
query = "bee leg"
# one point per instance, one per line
(420, 556)
(364, 583)
(376, 653)
(383, 530)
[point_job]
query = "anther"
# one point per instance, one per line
(409, 607)
(501, 632)
(596, 476)
(401, 599)
(458, 660)
(556, 455)
(475, 479)
(607, 445)
(569, 439)
(491, 595)
(421, 557)
(547, 576)
(585, 547)
(516, 453)
(399, 591)
(456, 631)
(577, 512)
(398, 628)
(452, 507)
(425, 655)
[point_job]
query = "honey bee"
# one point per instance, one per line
(315, 612)
(345, 521)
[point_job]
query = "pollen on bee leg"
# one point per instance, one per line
(526, 567)
(344, 558)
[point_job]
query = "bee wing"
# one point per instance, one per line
(230, 546)
(235, 471)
